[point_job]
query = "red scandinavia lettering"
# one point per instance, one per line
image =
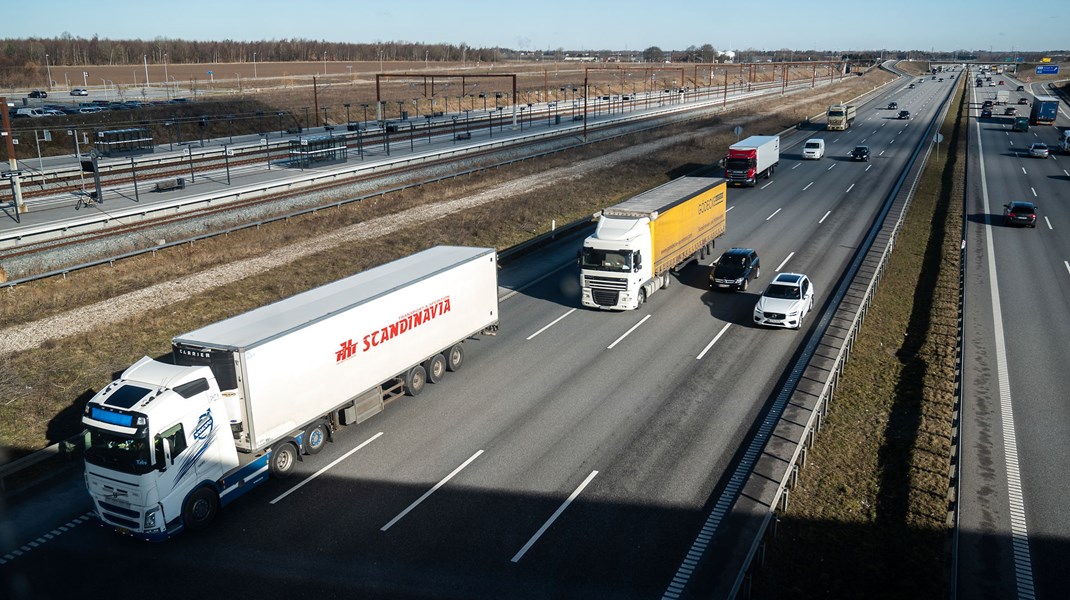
(404, 324)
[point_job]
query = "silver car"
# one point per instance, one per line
(1038, 150)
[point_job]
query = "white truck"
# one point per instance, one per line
(1002, 96)
(638, 241)
(751, 159)
(167, 445)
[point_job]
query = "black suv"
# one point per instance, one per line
(38, 94)
(904, 114)
(735, 268)
(1020, 213)
(860, 153)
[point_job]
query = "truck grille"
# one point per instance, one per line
(606, 283)
(604, 297)
(119, 521)
(126, 512)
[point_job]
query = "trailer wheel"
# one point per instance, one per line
(436, 368)
(283, 460)
(315, 438)
(415, 380)
(200, 508)
(665, 282)
(455, 358)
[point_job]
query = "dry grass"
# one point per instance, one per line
(38, 407)
(868, 518)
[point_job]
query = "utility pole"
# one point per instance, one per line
(16, 186)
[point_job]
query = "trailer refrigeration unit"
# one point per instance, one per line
(638, 241)
(751, 159)
(1044, 111)
(169, 444)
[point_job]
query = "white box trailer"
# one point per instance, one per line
(168, 445)
(299, 358)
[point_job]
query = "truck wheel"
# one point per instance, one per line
(665, 282)
(642, 297)
(455, 358)
(315, 438)
(283, 460)
(415, 380)
(200, 508)
(436, 368)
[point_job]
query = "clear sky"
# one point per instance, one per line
(1035, 25)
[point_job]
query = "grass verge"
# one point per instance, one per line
(868, 517)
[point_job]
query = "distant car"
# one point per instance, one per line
(1020, 213)
(941, 79)
(934, 76)
(79, 92)
(813, 149)
(735, 269)
(1010, 110)
(1023, 101)
(991, 83)
(860, 153)
(986, 112)
(1020, 88)
(904, 114)
(1038, 150)
(986, 104)
(787, 300)
(52, 112)
(1001, 82)
(893, 105)
(37, 94)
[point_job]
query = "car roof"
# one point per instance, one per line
(1021, 204)
(741, 251)
(792, 278)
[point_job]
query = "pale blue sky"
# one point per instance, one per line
(1035, 25)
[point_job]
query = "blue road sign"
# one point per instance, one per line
(1047, 69)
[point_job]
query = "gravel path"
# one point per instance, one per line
(30, 335)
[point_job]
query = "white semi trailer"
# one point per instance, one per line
(169, 444)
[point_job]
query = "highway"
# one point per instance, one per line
(575, 456)
(1013, 530)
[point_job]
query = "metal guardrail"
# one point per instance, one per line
(799, 409)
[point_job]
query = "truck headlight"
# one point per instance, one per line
(150, 518)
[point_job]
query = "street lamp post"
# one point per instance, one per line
(324, 63)
(365, 107)
(347, 114)
(107, 98)
(166, 79)
(306, 116)
(279, 115)
(48, 68)
(145, 60)
(254, 65)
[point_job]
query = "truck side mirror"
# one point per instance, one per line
(579, 258)
(722, 162)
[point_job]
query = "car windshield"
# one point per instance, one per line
(787, 292)
(861, 149)
(812, 145)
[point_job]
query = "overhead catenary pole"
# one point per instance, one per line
(16, 186)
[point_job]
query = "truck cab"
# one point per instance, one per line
(157, 441)
(613, 265)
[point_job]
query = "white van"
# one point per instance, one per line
(1064, 142)
(29, 112)
(814, 148)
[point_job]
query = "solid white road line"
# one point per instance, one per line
(824, 217)
(324, 469)
(712, 342)
(774, 214)
(627, 333)
(1023, 564)
(553, 517)
(551, 324)
(785, 262)
(428, 493)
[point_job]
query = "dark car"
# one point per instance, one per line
(1020, 88)
(986, 104)
(1020, 213)
(860, 153)
(735, 269)
(986, 112)
(893, 105)
(38, 94)
(1010, 110)
(1023, 101)
(904, 114)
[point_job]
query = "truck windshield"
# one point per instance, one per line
(119, 452)
(738, 164)
(835, 113)
(619, 261)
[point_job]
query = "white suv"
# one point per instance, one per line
(789, 297)
(813, 148)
